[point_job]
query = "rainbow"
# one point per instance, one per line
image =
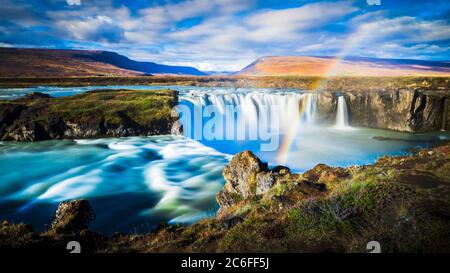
(332, 70)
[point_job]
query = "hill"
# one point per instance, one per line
(349, 66)
(19, 62)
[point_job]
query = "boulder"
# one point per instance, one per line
(247, 176)
(241, 175)
(322, 173)
(72, 217)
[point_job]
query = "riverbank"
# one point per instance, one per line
(300, 82)
(93, 114)
(401, 202)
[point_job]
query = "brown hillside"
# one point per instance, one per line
(324, 66)
(15, 62)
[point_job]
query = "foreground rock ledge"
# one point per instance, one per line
(401, 202)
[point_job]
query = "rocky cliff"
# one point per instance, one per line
(105, 113)
(400, 110)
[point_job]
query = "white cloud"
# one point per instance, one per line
(5, 45)
(400, 37)
(225, 40)
(73, 2)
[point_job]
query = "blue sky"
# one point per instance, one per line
(226, 35)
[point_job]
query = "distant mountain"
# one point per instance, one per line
(349, 66)
(19, 62)
(219, 73)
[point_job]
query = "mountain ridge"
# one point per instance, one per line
(34, 62)
(348, 66)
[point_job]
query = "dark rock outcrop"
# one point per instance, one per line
(72, 217)
(400, 110)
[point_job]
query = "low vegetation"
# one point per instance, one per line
(302, 82)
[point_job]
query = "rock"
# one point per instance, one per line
(232, 221)
(72, 217)
(247, 176)
(177, 128)
(241, 174)
(36, 95)
(264, 182)
(281, 170)
(323, 173)
(226, 199)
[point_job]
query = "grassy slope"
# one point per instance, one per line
(114, 107)
(143, 107)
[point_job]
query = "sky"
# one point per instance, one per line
(227, 35)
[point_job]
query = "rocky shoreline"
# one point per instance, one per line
(94, 114)
(401, 202)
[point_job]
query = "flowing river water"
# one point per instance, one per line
(135, 183)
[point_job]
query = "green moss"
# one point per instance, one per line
(142, 111)
(143, 107)
(252, 183)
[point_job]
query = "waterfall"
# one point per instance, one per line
(290, 109)
(342, 114)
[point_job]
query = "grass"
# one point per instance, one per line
(302, 82)
(143, 107)
(142, 111)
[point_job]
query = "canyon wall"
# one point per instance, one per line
(400, 110)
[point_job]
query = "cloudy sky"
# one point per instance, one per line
(226, 35)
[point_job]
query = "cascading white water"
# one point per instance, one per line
(255, 108)
(342, 114)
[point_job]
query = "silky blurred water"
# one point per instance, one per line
(136, 183)
(132, 183)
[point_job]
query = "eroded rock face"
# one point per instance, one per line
(72, 217)
(245, 176)
(400, 110)
(244, 173)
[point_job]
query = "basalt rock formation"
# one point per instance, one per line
(105, 113)
(400, 110)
